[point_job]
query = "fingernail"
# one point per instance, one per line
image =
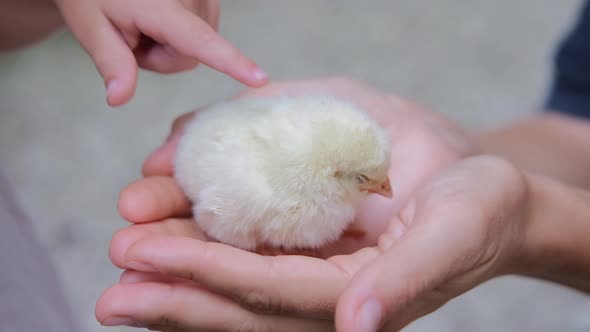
(112, 86)
(369, 316)
(259, 75)
(140, 266)
(120, 321)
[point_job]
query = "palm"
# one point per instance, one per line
(423, 143)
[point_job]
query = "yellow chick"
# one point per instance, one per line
(281, 172)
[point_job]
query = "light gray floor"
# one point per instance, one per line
(480, 62)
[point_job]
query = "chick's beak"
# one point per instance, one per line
(381, 188)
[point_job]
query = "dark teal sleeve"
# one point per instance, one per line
(570, 91)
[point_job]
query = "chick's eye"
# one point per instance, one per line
(361, 179)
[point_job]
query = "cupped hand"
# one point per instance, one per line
(163, 36)
(463, 228)
(466, 226)
(423, 144)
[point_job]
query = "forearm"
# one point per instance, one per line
(557, 244)
(549, 144)
(24, 22)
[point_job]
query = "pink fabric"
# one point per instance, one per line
(31, 297)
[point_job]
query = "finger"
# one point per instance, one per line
(277, 285)
(164, 59)
(391, 285)
(152, 199)
(183, 306)
(161, 161)
(171, 24)
(210, 11)
(135, 277)
(110, 53)
(124, 238)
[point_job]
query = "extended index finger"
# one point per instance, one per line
(172, 24)
(282, 284)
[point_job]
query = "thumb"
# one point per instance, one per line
(394, 288)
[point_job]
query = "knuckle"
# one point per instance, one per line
(259, 299)
(206, 35)
(258, 302)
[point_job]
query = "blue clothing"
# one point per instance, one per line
(570, 92)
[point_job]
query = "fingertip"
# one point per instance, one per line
(159, 252)
(133, 201)
(119, 303)
(346, 310)
(368, 317)
(136, 253)
(114, 97)
(152, 199)
(107, 303)
(118, 67)
(358, 309)
(190, 36)
(100, 307)
(118, 94)
(256, 77)
(159, 163)
(121, 242)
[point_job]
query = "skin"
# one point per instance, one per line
(425, 142)
(24, 22)
(521, 218)
(122, 36)
(541, 143)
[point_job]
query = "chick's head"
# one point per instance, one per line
(345, 147)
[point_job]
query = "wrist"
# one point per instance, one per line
(555, 246)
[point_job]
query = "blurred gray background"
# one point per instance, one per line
(482, 63)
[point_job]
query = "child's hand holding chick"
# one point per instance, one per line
(163, 36)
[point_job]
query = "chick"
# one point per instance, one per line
(281, 172)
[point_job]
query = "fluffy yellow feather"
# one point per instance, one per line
(281, 172)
